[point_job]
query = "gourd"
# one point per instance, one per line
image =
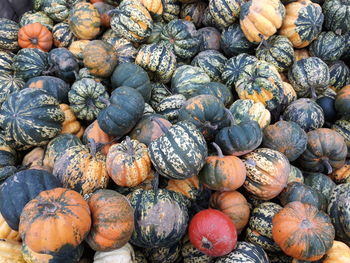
(342, 102)
(35, 35)
(224, 12)
(9, 32)
(335, 14)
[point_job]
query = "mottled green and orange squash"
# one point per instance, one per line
(218, 90)
(6, 232)
(154, 7)
(342, 102)
(342, 174)
(171, 10)
(297, 229)
(112, 220)
(260, 19)
(302, 23)
(9, 34)
(188, 187)
(41, 17)
(193, 12)
(224, 12)
(343, 128)
(61, 217)
(103, 141)
(77, 47)
(337, 253)
(62, 35)
(6, 60)
(336, 15)
(339, 75)
(10, 251)
(84, 21)
(57, 10)
(71, 125)
(8, 84)
(295, 175)
(169, 107)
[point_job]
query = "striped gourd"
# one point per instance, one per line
(339, 74)
(224, 12)
(30, 62)
(193, 12)
(156, 31)
(62, 35)
(343, 128)
(171, 10)
(8, 34)
(6, 60)
(159, 92)
(8, 85)
(31, 17)
(169, 106)
(57, 10)
(336, 14)
(164, 254)
(180, 153)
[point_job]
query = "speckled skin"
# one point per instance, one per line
(62, 35)
(57, 10)
(190, 254)
(224, 12)
(9, 34)
(158, 93)
(336, 14)
(343, 128)
(339, 74)
(6, 60)
(169, 106)
(295, 175)
(31, 17)
(171, 10)
(8, 85)
(163, 254)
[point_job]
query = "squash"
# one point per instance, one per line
(104, 9)
(103, 141)
(71, 125)
(8, 85)
(306, 113)
(193, 12)
(342, 104)
(63, 64)
(62, 35)
(326, 150)
(322, 183)
(171, 10)
(234, 205)
(267, 173)
(77, 47)
(8, 160)
(339, 252)
(163, 254)
(289, 95)
(286, 137)
(6, 60)
(303, 22)
(343, 128)
(210, 38)
(34, 158)
(31, 117)
(341, 175)
(180, 152)
(217, 89)
(57, 10)
(85, 98)
(54, 215)
(224, 12)
(154, 7)
(30, 183)
(189, 187)
(169, 107)
(9, 32)
(190, 254)
(6, 232)
(339, 74)
(296, 229)
(35, 36)
(10, 251)
(125, 254)
(31, 17)
(112, 220)
(159, 91)
(335, 14)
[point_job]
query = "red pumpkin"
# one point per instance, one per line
(213, 233)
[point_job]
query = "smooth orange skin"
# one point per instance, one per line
(71, 124)
(35, 32)
(184, 187)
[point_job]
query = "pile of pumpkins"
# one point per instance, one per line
(165, 131)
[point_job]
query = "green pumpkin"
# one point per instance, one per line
(259, 229)
(133, 76)
(63, 64)
(84, 98)
(156, 31)
(328, 46)
(62, 35)
(171, 10)
(343, 128)
(217, 89)
(278, 51)
(239, 139)
(154, 228)
(31, 117)
(336, 13)
(234, 66)
(158, 92)
(31, 17)
(163, 254)
(339, 74)
(224, 12)
(309, 77)
(193, 12)
(212, 62)
(9, 35)
(6, 60)
(233, 42)
(180, 153)
(295, 175)
(57, 10)
(169, 106)
(305, 112)
(321, 183)
(188, 80)
(8, 157)
(182, 36)
(190, 254)
(30, 63)
(8, 85)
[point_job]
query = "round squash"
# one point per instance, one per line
(171, 10)
(335, 14)
(77, 47)
(103, 141)
(41, 17)
(62, 35)
(343, 128)
(187, 187)
(217, 89)
(9, 32)
(6, 60)
(193, 12)
(169, 107)
(124, 254)
(224, 12)
(57, 10)
(163, 254)
(342, 100)
(35, 36)
(190, 254)
(339, 75)
(9, 84)
(341, 175)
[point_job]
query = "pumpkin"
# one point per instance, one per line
(169, 107)
(154, 7)
(246, 251)
(9, 32)
(6, 60)
(306, 113)
(56, 87)
(31, 117)
(341, 175)
(103, 141)
(29, 63)
(132, 21)
(193, 12)
(54, 215)
(343, 128)
(179, 153)
(71, 124)
(163, 254)
(296, 229)
(34, 158)
(267, 173)
(41, 17)
(171, 10)
(210, 38)
(270, 15)
(322, 183)
(335, 14)
(112, 220)
(337, 253)
(57, 10)
(234, 205)
(339, 74)
(224, 12)
(303, 22)
(76, 48)
(159, 91)
(278, 51)
(62, 35)
(259, 230)
(301, 54)
(160, 217)
(155, 34)
(35, 36)
(8, 159)
(190, 254)
(217, 89)
(289, 96)
(326, 150)
(85, 98)
(158, 59)
(6, 232)
(342, 104)
(8, 85)
(123, 111)
(82, 169)
(286, 137)
(10, 251)
(187, 187)
(212, 232)
(125, 254)
(63, 64)
(29, 183)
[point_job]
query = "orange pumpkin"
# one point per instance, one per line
(71, 124)
(6, 232)
(112, 220)
(77, 48)
(339, 253)
(155, 7)
(234, 205)
(34, 157)
(128, 163)
(188, 187)
(35, 35)
(342, 175)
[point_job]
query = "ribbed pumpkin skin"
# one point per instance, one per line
(286, 137)
(171, 10)
(132, 21)
(218, 90)
(11, 251)
(41, 17)
(339, 74)
(212, 62)
(259, 230)
(31, 117)
(30, 183)
(187, 187)
(278, 51)
(169, 107)
(62, 35)
(336, 14)
(180, 153)
(168, 226)
(322, 183)
(343, 128)
(323, 145)
(303, 22)
(6, 60)
(342, 100)
(8, 31)
(245, 252)
(224, 12)
(8, 85)
(158, 93)
(267, 173)
(305, 112)
(54, 215)
(29, 63)
(6, 232)
(57, 10)
(159, 59)
(262, 83)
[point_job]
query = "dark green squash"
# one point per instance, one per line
(343, 128)
(31, 17)
(180, 153)
(156, 31)
(295, 175)
(210, 38)
(171, 10)
(168, 254)
(8, 85)
(63, 64)
(169, 106)
(190, 254)
(6, 60)
(19, 189)
(8, 160)
(193, 12)
(86, 98)
(217, 89)
(62, 35)
(342, 102)
(279, 257)
(8, 31)
(336, 14)
(57, 10)
(31, 117)
(327, 105)
(158, 92)
(224, 12)
(339, 74)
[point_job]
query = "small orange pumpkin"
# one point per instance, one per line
(35, 35)
(342, 175)
(71, 124)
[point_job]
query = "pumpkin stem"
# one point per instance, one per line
(207, 124)
(104, 100)
(230, 116)
(218, 149)
(313, 93)
(206, 243)
(129, 146)
(155, 182)
(250, 162)
(262, 40)
(34, 41)
(47, 207)
(160, 124)
(326, 164)
(265, 43)
(93, 147)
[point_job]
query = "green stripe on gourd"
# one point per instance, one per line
(171, 10)
(8, 34)
(8, 85)
(6, 60)
(343, 128)
(337, 15)
(163, 254)
(217, 89)
(295, 175)
(339, 74)
(159, 92)
(32, 17)
(224, 12)
(57, 10)
(62, 35)
(169, 106)
(322, 183)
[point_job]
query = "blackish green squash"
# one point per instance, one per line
(339, 74)
(62, 35)
(171, 10)
(322, 183)
(63, 64)
(210, 38)
(158, 93)
(8, 31)
(8, 85)
(336, 14)
(217, 89)
(31, 17)
(342, 104)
